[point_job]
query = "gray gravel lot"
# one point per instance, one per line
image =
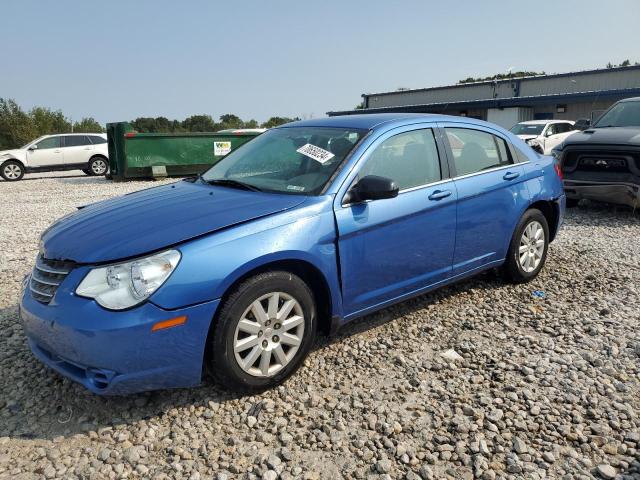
(544, 388)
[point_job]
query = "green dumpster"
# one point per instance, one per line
(147, 155)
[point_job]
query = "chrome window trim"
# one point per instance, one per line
(486, 171)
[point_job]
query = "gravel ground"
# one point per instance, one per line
(533, 387)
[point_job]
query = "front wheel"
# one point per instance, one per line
(97, 166)
(528, 248)
(12, 171)
(264, 331)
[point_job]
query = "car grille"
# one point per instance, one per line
(47, 276)
(601, 161)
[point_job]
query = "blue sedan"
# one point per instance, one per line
(297, 232)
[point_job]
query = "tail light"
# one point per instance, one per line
(558, 169)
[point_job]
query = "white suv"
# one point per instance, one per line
(543, 135)
(71, 151)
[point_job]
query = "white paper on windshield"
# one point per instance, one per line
(318, 154)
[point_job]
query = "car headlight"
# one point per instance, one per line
(124, 285)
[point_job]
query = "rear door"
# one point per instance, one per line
(46, 153)
(392, 247)
(491, 194)
(77, 150)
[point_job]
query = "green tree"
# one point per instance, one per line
(251, 124)
(16, 127)
(276, 121)
(48, 121)
(228, 121)
(88, 125)
(199, 123)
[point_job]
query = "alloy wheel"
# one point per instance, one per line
(268, 334)
(12, 172)
(99, 167)
(532, 244)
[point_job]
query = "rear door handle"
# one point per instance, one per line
(439, 194)
(511, 175)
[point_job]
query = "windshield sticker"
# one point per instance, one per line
(318, 154)
(296, 188)
(221, 148)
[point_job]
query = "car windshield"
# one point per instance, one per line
(625, 114)
(297, 160)
(527, 128)
(32, 141)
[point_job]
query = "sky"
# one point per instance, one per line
(117, 60)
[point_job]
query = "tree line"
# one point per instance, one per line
(19, 127)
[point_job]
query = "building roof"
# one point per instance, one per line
(498, 102)
(505, 80)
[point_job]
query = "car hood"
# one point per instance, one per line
(610, 135)
(527, 137)
(13, 153)
(156, 218)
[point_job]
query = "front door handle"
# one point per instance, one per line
(511, 175)
(439, 194)
(56, 151)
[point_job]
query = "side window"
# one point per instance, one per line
(552, 129)
(475, 150)
(51, 142)
(96, 140)
(410, 159)
(75, 140)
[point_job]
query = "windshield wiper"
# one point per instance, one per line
(227, 182)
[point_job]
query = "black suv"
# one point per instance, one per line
(603, 161)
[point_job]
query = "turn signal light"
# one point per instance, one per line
(172, 322)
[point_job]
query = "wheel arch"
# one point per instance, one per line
(12, 159)
(304, 269)
(98, 155)
(551, 213)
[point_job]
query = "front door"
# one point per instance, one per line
(392, 247)
(491, 193)
(46, 153)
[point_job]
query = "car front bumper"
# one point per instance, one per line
(116, 353)
(619, 193)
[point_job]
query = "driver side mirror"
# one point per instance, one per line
(549, 132)
(32, 148)
(371, 187)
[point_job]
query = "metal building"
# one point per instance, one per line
(505, 102)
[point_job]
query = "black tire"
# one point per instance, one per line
(572, 202)
(12, 171)
(513, 270)
(98, 166)
(221, 360)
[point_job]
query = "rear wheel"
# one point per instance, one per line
(528, 248)
(97, 166)
(12, 171)
(263, 332)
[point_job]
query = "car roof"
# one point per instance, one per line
(371, 121)
(632, 99)
(74, 133)
(543, 122)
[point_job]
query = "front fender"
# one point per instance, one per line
(210, 265)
